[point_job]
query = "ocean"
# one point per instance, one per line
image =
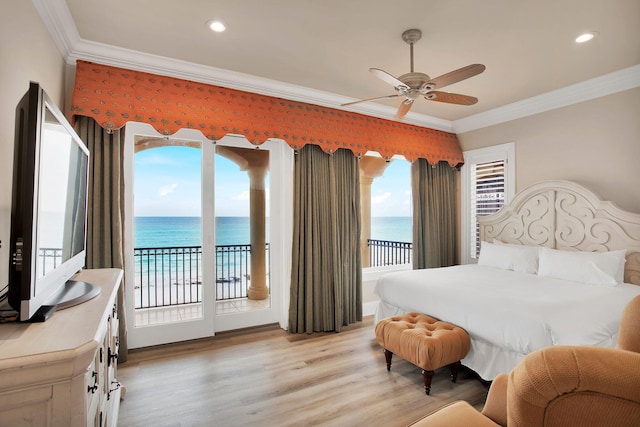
(156, 231)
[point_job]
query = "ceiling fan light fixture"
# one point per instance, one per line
(583, 38)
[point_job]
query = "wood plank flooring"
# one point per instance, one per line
(266, 376)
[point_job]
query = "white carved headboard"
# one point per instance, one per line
(565, 215)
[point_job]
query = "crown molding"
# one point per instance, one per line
(58, 20)
(618, 81)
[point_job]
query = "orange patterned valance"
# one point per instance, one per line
(114, 96)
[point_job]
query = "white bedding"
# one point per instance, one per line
(507, 314)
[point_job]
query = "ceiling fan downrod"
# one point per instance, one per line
(411, 37)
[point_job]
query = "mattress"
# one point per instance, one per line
(507, 314)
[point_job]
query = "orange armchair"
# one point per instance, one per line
(562, 386)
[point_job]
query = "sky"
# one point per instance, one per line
(168, 183)
(391, 193)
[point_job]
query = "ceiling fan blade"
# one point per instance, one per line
(457, 75)
(386, 77)
(404, 108)
(451, 98)
(370, 99)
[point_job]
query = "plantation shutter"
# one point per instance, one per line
(487, 196)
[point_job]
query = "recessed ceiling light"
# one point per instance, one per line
(216, 26)
(586, 37)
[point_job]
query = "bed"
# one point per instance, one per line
(557, 266)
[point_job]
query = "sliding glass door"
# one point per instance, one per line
(168, 221)
(249, 282)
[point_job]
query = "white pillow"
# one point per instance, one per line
(593, 268)
(621, 256)
(509, 257)
(526, 258)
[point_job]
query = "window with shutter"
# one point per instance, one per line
(488, 182)
(487, 196)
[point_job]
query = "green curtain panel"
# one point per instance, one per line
(434, 214)
(326, 273)
(105, 212)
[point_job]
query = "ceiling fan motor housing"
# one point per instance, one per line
(417, 81)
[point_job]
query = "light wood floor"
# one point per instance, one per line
(266, 376)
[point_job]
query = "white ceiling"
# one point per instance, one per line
(320, 50)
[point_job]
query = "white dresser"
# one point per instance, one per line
(63, 372)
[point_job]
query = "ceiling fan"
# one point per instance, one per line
(412, 85)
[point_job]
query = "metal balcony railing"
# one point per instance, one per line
(49, 258)
(172, 276)
(388, 252)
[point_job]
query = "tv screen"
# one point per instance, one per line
(48, 213)
(62, 202)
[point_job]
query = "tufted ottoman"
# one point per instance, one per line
(424, 341)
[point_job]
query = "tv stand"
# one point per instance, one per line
(63, 372)
(75, 292)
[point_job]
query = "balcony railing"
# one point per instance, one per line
(49, 258)
(173, 275)
(387, 252)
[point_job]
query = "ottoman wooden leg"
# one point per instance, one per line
(427, 375)
(454, 371)
(388, 355)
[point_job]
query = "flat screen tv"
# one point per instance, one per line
(48, 211)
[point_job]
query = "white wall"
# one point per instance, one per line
(27, 53)
(595, 143)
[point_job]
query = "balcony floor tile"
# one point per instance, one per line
(162, 315)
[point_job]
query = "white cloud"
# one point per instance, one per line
(167, 189)
(381, 198)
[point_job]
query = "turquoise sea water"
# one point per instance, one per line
(153, 232)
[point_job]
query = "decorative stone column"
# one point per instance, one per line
(370, 168)
(365, 214)
(257, 219)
